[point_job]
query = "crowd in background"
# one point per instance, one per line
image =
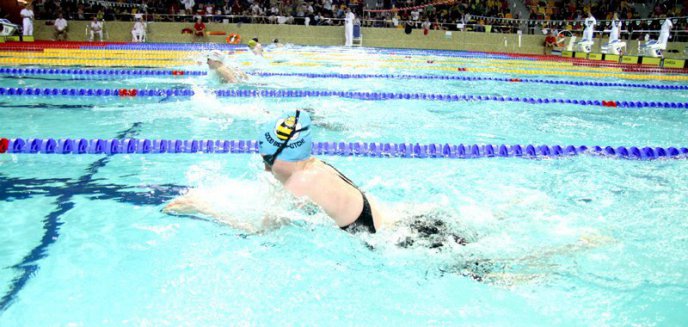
(604, 10)
(477, 15)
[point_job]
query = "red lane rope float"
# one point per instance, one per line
(4, 144)
(609, 104)
(41, 45)
(128, 93)
(446, 2)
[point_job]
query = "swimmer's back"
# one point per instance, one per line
(323, 185)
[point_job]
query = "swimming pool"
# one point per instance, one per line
(566, 240)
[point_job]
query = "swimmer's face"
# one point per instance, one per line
(214, 63)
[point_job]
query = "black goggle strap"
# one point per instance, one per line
(270, 159)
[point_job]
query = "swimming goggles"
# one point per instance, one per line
(269, 159)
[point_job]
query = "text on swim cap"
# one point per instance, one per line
(294, 145)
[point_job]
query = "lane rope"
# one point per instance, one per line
(373, 96)
(341, 148)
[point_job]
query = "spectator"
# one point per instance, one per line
(274, 12)
(80, 12)
(27, 19)
(426, 26)
(95, 27)
(415, 16)
(60, 26)
(256, 13)
(188, 6)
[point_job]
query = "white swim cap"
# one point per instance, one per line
(216, 55)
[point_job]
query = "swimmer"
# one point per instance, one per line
(227, 74)
(255, 47)
(277, 43)
(285, 145)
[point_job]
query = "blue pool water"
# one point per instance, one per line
(584, 240)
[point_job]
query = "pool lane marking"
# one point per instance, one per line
(51, 224)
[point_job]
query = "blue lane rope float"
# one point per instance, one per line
(366, 149)
(157, 72)
(375, 96)
(477, 78)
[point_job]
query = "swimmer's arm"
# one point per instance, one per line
(227, 75)
(189, 204)
(241, 74)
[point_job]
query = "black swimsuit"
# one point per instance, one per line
(364, 221)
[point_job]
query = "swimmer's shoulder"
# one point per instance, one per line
(311, 178)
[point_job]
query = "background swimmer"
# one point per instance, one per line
(226, 74)
(255, 47)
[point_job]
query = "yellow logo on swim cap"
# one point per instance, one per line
(284, 127)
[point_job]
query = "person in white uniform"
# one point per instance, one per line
(590, 23)
(664, 32)
(349, 28)
(95, 28)
(60, 26)
(138, 33)
(27, 20)
(616, 29)
(615, 45)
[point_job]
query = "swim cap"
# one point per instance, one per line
(252, 44)
(274, 133)
(216, 55)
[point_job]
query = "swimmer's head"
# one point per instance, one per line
(275, 41)
(253, 42)
(287, 138)
(216, 55)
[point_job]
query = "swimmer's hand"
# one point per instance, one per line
(185, 205)
(193, 204)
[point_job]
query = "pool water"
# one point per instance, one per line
(581, 240)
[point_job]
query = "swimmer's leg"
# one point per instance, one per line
(539, 261)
